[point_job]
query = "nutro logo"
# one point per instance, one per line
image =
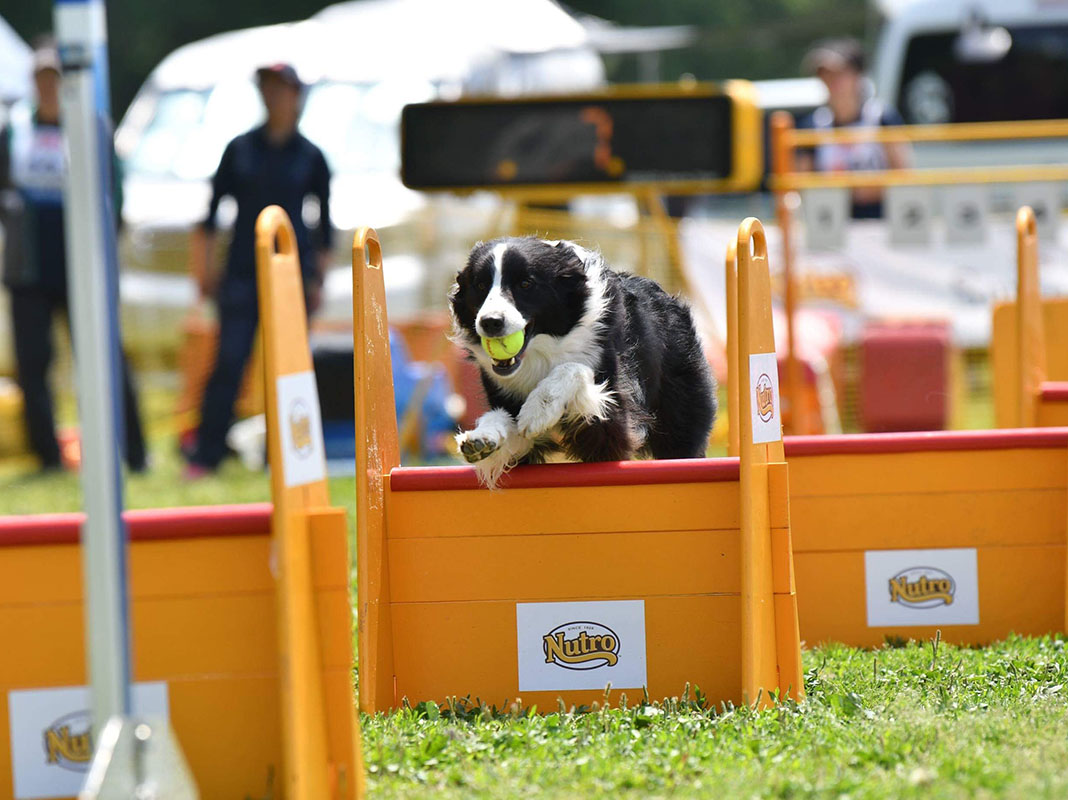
(67, 741)
(300, 428)
(581, 646)
(765, 398)
(922, 587)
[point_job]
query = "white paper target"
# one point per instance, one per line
(1045, 201)
(826, 212)
(908, 211)
(965, 210)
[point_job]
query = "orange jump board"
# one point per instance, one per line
(905, 534)
(660, 535)
(202, 610)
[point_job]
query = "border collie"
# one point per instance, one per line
(611, 366)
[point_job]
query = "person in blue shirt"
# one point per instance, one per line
(272, 164)
(839, 63)
(32, 171)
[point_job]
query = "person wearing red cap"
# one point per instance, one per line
(273, 164)
(839, 63)
(32, 171)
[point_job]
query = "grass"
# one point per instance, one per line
(919, 720)
(893, 723)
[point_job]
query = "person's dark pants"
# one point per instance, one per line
(32, 313)
(238, 318)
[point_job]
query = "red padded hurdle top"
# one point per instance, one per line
(543, 476)
(149, 524)
(1054, 391)
(927, 442)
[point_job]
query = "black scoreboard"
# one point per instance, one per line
(677, 138)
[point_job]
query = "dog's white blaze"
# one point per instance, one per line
(497, 303)
(578, 346)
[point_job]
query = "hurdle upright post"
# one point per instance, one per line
(1030, 334)
(321, 756)
(377, 452)
(733, 420)
(771, 655)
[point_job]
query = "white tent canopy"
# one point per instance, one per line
(15, 65)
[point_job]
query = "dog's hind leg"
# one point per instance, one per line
(613, 439)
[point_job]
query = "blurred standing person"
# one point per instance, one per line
(32, 170)
(272, 164)
(839, 63)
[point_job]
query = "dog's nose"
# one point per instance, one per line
(492, 324)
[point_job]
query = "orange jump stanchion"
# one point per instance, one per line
(572, 576)
(767, 610)
(377, 453)
(320, 731)
(1021, 362)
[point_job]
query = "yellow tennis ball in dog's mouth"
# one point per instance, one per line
(502, 348)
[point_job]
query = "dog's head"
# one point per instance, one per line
(539, 287)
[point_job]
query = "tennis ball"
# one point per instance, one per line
(503, 347)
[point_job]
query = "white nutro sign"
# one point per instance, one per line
(764, 398)
(301, 425)
(922, 587)
(51, 742)
(582, 645)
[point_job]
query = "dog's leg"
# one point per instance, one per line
(493, 446)
(568, 392)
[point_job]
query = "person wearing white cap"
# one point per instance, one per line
(839, 63)
(32, 171)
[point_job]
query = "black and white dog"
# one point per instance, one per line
(611, 365)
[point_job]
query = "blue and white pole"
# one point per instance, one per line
(92, 278)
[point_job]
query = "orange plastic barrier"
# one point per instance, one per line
(638, 574)
(1022, 363)
(241, 623)
(903, 534)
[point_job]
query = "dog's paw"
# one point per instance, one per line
(541, 411)
(474, 446)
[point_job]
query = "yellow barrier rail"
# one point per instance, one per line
(956, 132)
(786, 140)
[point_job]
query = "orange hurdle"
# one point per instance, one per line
(1021, 363)
(240, 617)
(642, 575)
(903, 534)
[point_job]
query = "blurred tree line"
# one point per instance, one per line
(737, 38)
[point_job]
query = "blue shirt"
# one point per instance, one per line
(257, 173)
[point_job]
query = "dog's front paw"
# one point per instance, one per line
(541, 411)
(475, 446)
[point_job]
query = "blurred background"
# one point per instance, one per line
(182, 80)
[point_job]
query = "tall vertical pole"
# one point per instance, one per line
(92, 278)
(782, 163)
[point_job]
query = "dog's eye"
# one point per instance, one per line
(483, 285)
(526, 283)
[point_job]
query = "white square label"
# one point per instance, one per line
(581, 645)
(300, 420)
(50, 736)
(764, 398)
(922, 587)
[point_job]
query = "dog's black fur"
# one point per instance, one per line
(640, 343)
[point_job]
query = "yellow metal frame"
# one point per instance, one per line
(747, 152)
(786, 139)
